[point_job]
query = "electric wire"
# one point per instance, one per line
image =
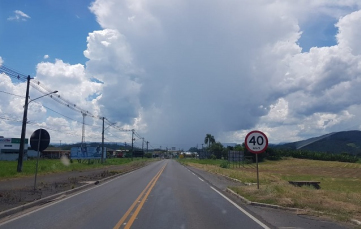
(12, 94)
(44, 90)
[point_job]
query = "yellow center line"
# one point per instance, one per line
(149, 187)
(131, 220)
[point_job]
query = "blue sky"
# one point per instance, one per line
(320, 33)
(59, 29)
(55, 28)
(176, 71)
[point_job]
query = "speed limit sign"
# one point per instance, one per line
(256, 142)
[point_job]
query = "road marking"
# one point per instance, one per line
(200, 179)
(140, 201)
(193, 174)
(11, 219)
(242, 210)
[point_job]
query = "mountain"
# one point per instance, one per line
(337, 142)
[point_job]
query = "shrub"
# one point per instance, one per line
(224, 165)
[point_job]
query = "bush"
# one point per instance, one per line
(148, 155)
(303, 154)
(224, 165)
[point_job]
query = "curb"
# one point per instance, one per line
(56, 196)
(297, 210)
(263, 204)
(235, 180)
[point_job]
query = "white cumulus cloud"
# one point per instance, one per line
(19, 16)
(177, 71)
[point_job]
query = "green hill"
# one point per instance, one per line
(337, 142)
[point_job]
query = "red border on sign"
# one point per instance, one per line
(256, 152)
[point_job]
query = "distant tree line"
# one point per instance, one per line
(304, 154)
(218, 151)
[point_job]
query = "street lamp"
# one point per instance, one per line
(23, 128)
(43, 96)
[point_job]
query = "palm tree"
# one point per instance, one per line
(209, 139)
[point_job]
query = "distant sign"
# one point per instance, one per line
(87, 152)
(256, 142)
(13, 140)
(6, 140)
(235, 155)
(17, 140)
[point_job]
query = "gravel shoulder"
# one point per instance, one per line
(279, 218)
(19, 191)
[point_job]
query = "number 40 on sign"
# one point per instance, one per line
(256, 142)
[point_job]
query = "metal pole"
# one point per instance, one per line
(23, 128)
(37, 160)
(143, 148)
(132, 142)
(103, 142)
(257, 171)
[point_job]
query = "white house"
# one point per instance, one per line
(9, 149)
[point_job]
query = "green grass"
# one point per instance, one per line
(203, 161)
(8, 169)
(339, 196)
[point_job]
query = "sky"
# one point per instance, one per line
(177, 70)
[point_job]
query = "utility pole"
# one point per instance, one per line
(132, 142)
(147, 146)
(103, 142)
(83, 130)
(23, 128)
(142, 147)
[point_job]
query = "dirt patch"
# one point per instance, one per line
(19, 191)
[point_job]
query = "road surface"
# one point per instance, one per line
(164, 194)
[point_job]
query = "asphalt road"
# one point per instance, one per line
(161, 195)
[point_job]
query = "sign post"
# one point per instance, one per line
(39, 141)
(256, 142)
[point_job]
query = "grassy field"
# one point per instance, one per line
(8, 168)
(339, 196)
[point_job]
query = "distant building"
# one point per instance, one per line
(55, 153)
(229, 144)
(9, 149)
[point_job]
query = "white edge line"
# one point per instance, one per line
(242, 210)
(193, 174)
(58, 201)
(200, 179)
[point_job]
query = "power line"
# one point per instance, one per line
(12, 73)
(58, 131)
(64, 115)
(10, 119)
(12, 94)
(43, 89)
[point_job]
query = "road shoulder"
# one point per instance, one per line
(278, 217)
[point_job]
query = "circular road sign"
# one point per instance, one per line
(256, 142)
(44, 140)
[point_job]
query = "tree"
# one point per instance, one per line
(217, 149)
(209, 139)
(193, 150)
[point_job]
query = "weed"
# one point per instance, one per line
(339, 196)
(224, 165)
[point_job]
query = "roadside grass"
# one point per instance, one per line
(339, 196)
(8, 169)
